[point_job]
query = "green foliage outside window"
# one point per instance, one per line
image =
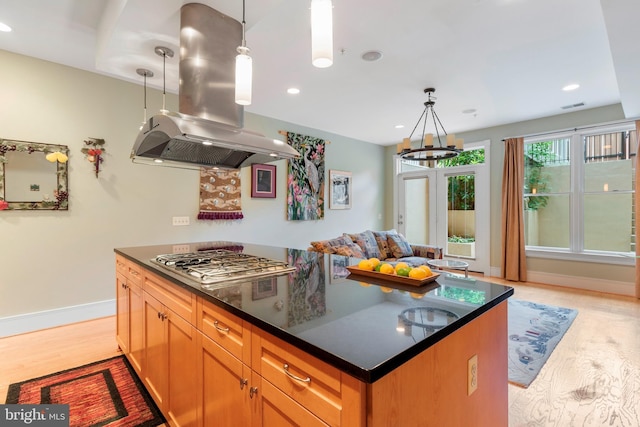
(462, 188)
(536, 181)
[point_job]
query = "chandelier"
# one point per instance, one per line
(442, 146)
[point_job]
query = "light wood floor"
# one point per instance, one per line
(591, 379)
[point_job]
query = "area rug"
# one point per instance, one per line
(534, 331)
(105, 393)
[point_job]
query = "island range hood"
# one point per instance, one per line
(208, 130)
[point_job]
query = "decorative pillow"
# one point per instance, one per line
(399, 245)
(383, 244)
(351, 250)
(367, 243)
(327, 245)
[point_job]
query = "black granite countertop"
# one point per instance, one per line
(362, 326)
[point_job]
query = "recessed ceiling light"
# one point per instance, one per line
(293, 91)
(4, 28)
(372, 55)
(572, 86)
(399, 126)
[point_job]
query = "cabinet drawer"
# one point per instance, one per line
(134, 273)
(179, 300)
(226, 329)
(307, 380)
(121, 265)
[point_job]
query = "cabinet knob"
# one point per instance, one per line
(252, 391)
(243, 382)
(220, 328)
(295, 377)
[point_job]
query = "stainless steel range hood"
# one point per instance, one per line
(208, 129)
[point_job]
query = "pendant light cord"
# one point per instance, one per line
(244, 41)
(164, 80)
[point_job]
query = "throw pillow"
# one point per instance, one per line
(351, 250)
(399, 246)
(383, 244)
(367, 242)
(327, 245)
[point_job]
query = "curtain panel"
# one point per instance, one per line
(637, 212)
(513, 262)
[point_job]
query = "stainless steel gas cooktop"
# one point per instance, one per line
(221, 265)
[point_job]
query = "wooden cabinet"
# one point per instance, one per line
(170, 350)
(310, 389)
(129, 312)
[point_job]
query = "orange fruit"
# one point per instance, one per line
(365, 264)
(385, 289)
(426, 268)
(416, 295)
(387, 269)
(364, 284)
(401, 265)
(374, 261)
(418, 273)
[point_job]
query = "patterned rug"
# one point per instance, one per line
(534, 331)
(105, 393)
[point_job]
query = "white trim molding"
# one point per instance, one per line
(29, 322)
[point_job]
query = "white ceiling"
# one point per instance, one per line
(507, 59)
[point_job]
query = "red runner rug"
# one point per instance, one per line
(105, 393)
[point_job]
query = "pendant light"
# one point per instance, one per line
(244, 69)
(145, 73)
(430, 148)
(164, 52)
(321, 33)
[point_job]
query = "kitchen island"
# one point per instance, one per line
(314, 346)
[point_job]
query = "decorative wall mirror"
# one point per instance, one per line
(33, 176)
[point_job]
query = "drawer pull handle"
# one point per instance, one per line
(135, 273)
(286, 371)
(243, 382)
(252, 391)
(220, 328)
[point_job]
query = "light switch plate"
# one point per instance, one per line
(180, 220)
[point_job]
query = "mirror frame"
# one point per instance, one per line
(61, 201)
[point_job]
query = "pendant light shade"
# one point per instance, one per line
(322, 33)
(244, 76)
(244, 69)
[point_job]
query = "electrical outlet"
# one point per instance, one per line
(472, 375)
(181, 249)
(180, 220)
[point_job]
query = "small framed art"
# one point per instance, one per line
(263, 180)
(339, 190)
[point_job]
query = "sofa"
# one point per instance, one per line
(388, 246)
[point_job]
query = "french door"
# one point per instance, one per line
(448, 208)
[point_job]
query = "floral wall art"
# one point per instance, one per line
(305, 179)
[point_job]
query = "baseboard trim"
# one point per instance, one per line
(29, 322)
(584, 283)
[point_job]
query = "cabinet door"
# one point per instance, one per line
(155, 350)
(223, 386)
(136, 321)
(181, 372)
(122, 313)
(276, 409)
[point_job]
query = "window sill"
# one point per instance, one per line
(601, 258)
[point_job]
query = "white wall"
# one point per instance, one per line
(52, 260)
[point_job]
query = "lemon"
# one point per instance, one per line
(401, 265)
(364, 284)
(427, 269)
(387, 269)
(416, 295)
(385, 289)
(375, 262)
(418, 273)
(365, 264)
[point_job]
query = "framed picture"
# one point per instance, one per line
(339, 189)
(263, 180)
(338, 268)
(264, 288)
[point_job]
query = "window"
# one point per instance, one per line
(579, 192)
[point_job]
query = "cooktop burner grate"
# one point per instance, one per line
(221, 265)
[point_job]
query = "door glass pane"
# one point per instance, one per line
(546, 221)
(461, 218)
(416, 221)
(608, 222)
